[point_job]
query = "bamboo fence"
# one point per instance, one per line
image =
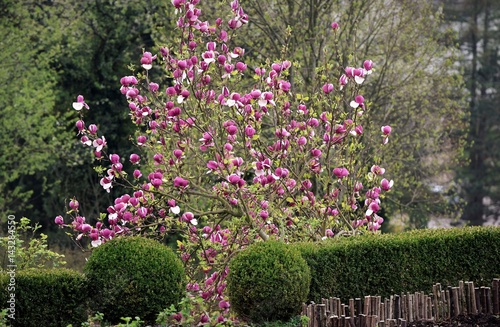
(399, 310)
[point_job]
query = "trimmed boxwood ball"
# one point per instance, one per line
(133, 276)
(268, 281)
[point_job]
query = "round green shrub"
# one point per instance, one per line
(268, 281)
(133, 276)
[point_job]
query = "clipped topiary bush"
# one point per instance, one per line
(133, 276)
(44, 297)
(268, 281)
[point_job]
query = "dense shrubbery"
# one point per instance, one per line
(134, 276)
(50, 298)
(267, 282)
(407, 262)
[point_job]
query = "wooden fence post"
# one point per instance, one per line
(472, 296)
(478, 299)
(461, 296)
(359, 307)
(455, 302)
(496, 296)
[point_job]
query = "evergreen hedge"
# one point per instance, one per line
(45, 297)
(408, 262)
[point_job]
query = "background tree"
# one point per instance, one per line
(417, 90)
(32, 129)
(53, 51)
(477, 22)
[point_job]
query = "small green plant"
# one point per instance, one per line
(130, 323)
(32, 249)
(94, 321)
(3, 318)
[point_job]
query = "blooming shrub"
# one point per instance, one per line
(223, 164)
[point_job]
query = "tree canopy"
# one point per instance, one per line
(418, 89)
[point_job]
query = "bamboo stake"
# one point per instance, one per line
(366, 307)
(359, 306)
(472, 296)
(410, 307)
(351, 308)
(447, 295)
(435, 300)
(489, 309)
(456, 310)
(496, 296)
(461, 296)
(397, 307)
(390, 314)
(478, 299)
(429, 308)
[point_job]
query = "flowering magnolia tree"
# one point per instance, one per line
(223, 165)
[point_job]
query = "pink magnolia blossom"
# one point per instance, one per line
(327, 88)
(377, 170)
(386, 130)
(368, 64)
(59, 220)
(341, 172)
(316, 153)
(189, 218)
(114, 158)
(80, 104)
(80, 125)
(180, 182)
(343, 80)
(141, 140)
(147, 60)
(373, 207)
(349, 72)
(106, 183)
(92, 129)
(249, 131)
(358, 101)
(153, 87)
(137, 173)
(74, 204)
(128, 81)
(359, 75)
(386, 185)
(99, 143)
(134, 158)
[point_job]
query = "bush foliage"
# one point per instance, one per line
(408, 262)
(133, 276)
(267, 282)
(46, 297)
